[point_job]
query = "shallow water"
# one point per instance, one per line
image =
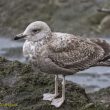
(8, 46)
(92, 79)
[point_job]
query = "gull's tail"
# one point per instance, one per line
(105, 61)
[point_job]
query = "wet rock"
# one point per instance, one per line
(27, 89)
(105, 24)
(102, 97)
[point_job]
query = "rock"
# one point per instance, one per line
(102, 97)
(70, 16)
(20, 85)
(104, 24)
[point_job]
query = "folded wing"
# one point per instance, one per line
(74, 53)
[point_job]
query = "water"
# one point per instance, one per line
(10, 49)
(92, 79)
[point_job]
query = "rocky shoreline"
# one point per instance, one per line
(78, 17)
(20, 85)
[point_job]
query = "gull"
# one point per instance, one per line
(61, 54)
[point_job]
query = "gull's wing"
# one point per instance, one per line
(74, 53)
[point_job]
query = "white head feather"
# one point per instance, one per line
(36, 31)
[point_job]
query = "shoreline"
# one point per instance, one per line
(25, 88)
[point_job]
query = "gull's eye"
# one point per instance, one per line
(36, 30)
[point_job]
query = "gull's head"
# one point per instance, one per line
(35, 31)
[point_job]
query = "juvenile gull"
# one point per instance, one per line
(61, 53)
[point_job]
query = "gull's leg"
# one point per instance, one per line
(59, 101)
(49, 96)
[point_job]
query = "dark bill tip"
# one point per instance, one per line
(16, 38)
(104, 10)
(20, 36)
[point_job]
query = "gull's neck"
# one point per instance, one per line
(42, 41)
(45, 39)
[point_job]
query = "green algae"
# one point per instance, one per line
(27, 91)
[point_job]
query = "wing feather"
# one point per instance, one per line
(74, 53)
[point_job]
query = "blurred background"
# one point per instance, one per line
(79, 17)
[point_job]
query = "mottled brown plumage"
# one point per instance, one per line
(62, 53)
(68, 55)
